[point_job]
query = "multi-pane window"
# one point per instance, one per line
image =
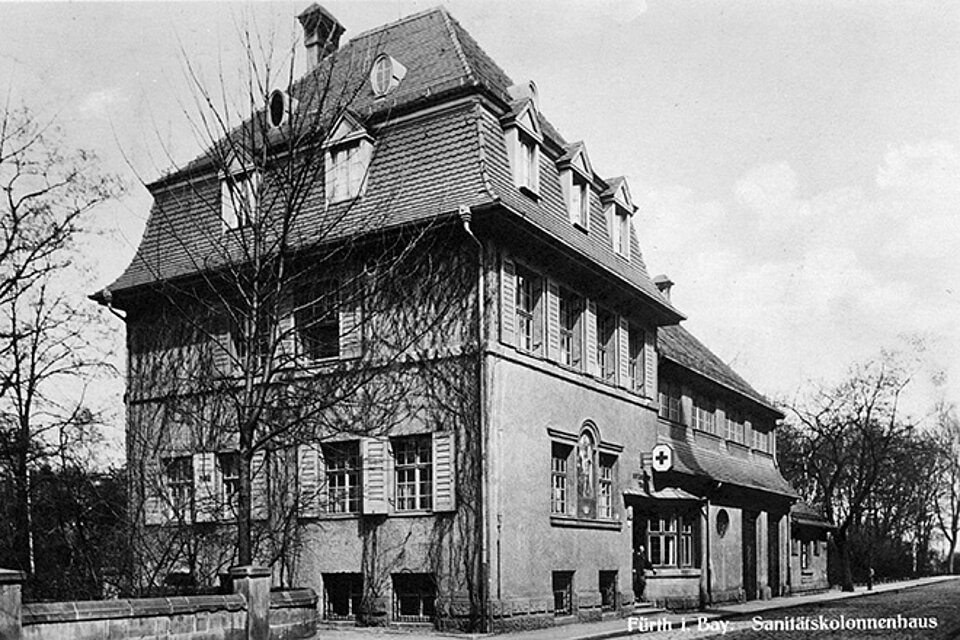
(569, 322)
(605, 487)
(178, 473)
(238, 199)
(253, 334)
(343, 477)
(635, 358)
(804, 555)
(670, 401)
(761, 440)
(529, 329)
(816, 547)
(559, 481)
(413, 472)
(607, 344)
(704, 416)
(347, 170)
(580, 201)
(317, 318)
(686, 541)
(344, 593)
(734, 427)
(562, 593)
(229, 464)
(415, 597)
(671, 540)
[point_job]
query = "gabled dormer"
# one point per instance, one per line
(239, 192)
(576, 180)
(348, 151)
(521, 129)
(618, 209)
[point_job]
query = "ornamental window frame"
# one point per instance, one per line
(576, 181)
(583, 466)
(618, 211)
(672, 538)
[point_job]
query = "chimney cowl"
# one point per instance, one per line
(321, 33)
(664, 285)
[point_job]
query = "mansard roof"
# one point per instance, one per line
(678, 345)
(428, 162)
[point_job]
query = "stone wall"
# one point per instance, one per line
(252, 612)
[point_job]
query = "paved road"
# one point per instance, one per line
(935, 603)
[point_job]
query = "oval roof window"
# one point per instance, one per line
(386, 75)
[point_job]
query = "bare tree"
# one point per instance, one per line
(301, 313)
(948, 503)
(48, 191)
(845, 440)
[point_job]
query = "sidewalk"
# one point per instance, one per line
(624, 627)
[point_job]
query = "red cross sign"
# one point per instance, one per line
(662, 458)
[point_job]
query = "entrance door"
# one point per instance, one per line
(639, 540)
(750, 554)
(773, 554)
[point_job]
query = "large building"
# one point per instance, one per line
(547, 433)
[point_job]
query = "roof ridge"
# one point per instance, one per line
(390, 25)
(447, 18)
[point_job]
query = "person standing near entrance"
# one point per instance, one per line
(640, 565)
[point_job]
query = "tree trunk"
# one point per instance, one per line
(953, 550)
(244, 546)
(846, 573)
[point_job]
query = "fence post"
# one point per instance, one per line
(253, 583)
(10, 605)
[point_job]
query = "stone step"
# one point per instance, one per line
(646, 609)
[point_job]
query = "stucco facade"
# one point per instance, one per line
(499, 393)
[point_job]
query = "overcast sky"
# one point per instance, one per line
(797, 164)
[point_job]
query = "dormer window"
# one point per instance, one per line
(619, 210)
(576, 176)
(523, 137)
(239, 199)
(386, 74)
(348, 152)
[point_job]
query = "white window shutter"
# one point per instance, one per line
(258, 486)
(350, 309)
(155, 506)
(553, 321)
(222, 356)
(444, 472)
(512, 138)
(286, 333)
(508, 301)
(373, 460)
(228, 207)
(650, 363)
(205, 486)
(308, 472)
(590, 340)
(623, 344)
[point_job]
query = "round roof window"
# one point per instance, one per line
(386, 75)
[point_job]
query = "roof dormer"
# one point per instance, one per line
(576, 178)
(348, 151)
(523, 136)
(618, 209)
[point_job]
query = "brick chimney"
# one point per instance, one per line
(321, 33)
(664, 284)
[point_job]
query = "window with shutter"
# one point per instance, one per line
(342, 477)
(205, 487)
(259, 486)
(508, 283)
(444, 476)
(413, 473)
(309, 479)
(373, 460)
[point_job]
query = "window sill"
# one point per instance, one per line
(411, 513)
(577, 225)
(333, 516)
(530, 193)
(576, 523)
(673, 572)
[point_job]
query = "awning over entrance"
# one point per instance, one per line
(667, 493)
(806, 515)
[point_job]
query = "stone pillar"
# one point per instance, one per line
(10, 614)
(253, 583)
